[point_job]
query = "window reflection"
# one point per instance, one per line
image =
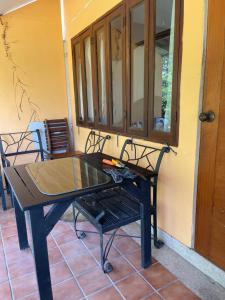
(101, 76)
(164, 50)
(116, 70)
(88, 71)
(79, 82)
(137, 66)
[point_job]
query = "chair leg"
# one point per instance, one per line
(104, 252)
(157, 243)
(79, 234)
(2, 193)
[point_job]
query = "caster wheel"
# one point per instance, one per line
(107, 267)
(81, 235)
(158, 244)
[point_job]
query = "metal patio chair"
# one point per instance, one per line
(19, 148)
(95, 142)
(111, 209)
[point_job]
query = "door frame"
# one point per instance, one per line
(209, 135)
(198, 139)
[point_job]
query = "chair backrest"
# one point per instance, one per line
(95, 142)
(144, 156)
(57, 135)
(17, 144)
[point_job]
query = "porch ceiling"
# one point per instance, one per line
(7, 6)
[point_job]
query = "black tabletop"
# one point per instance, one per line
(29, 195)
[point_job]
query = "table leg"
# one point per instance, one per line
(142, 192)
(21, 225)
(146, 245)
(40, 252)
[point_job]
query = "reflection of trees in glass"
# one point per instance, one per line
(166, 84)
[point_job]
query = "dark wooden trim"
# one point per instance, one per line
(148, 133)
(172, 136)
(84, 36)
(119, 12)
(76, 83)
(97, 26)
(130, 4)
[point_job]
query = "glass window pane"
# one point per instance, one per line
(79, 82)
(88, 71)
(137, 65)
(116, 71)
(101, 76)
(164, 50)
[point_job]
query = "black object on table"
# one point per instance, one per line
(32, 194)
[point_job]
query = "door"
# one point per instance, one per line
(210, 217)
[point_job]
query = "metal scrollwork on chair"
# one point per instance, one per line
(95, 142)
(149, 158)
(17, 144)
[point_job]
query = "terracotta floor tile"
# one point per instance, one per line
(112, 254)
(134, 287)
(54, 255)
(11, 244)
(135, 259)
(60, 272)
(154, 297)
(24, 286)
(126, 245)
(67, 290)
(34, 296)
(121, 268)
(5, 292)
(92, 240)
(7, 220)
(73, 249)
(18, 255)
(51, 242)
(21, 267)
(109, 293)
(65, 237)
(61, 227)
(158, 276)
(9, 231)
(93, 281)
(82, 263)
(3, 271)
(85, 226)
(177, 291)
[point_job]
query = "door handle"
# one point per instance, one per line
(207, 116)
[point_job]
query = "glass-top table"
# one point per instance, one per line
(65, 175)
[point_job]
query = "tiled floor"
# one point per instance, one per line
(76, 272)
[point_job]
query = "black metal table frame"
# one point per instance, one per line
(41, 225)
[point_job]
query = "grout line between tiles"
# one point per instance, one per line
(138, 272)
(113, 283)
(65, 259)
(6, 263)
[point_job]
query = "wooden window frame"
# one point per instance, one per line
(85, 35)
(129, 5)
(155, 135)
(148, 133)
(120, 11)
(101, 24)
(74, 42)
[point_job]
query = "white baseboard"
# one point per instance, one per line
(205, 266)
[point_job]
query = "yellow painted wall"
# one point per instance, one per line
(176, 180)
(36, 48)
